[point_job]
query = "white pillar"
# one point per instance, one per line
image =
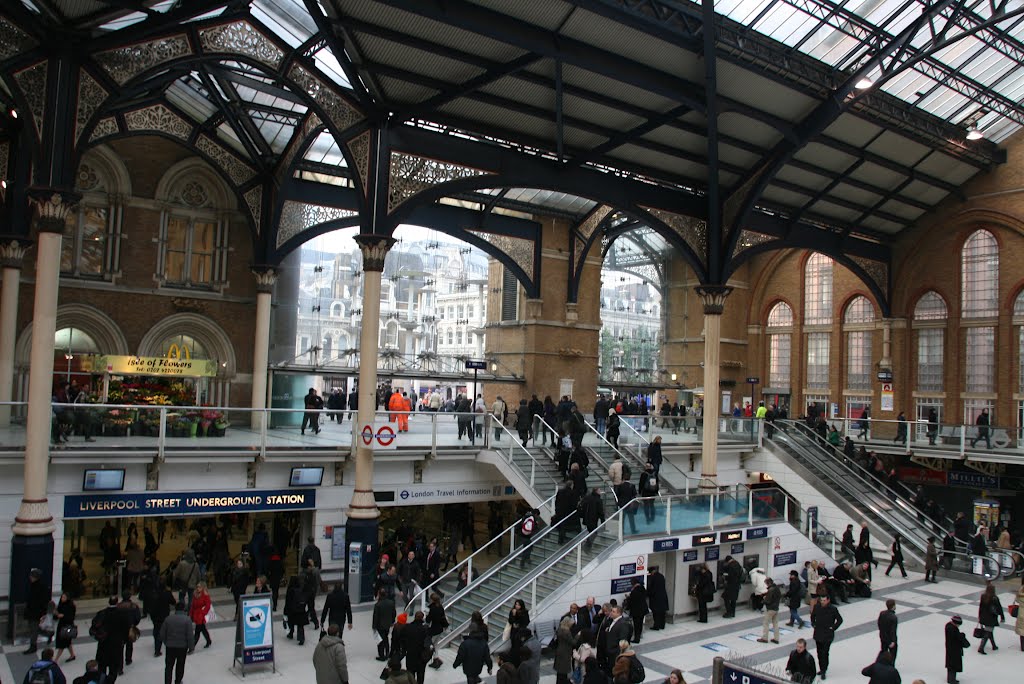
(33, 517)
(261, 348)
(11, 255)
(886, 361)
(713, 298)
(375, 249)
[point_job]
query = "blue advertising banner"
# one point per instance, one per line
(666, 544)
(785, 558)
(958, 478)
(187, 503)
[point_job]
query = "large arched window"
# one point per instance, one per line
(929, 324)
(90, 246)
(780, 335)
(1018, 320)
(858, 323)
(818, 290)
(979, 265)
(328, 349)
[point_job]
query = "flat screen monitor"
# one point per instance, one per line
(306, 477)
(103, 480)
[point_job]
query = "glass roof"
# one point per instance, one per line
(979, 79)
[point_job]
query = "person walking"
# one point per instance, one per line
(826, 621)
(201, 606)
(176, 637)
(897, 555)
(800, 666)
(162, 604)
(654, 456)
(498, 409)
(329, 659)
(524, 421)
(35, 606)
(239, 583)
(887, 625)
(592, 512)
(848, 548)
(704, 592)
(731, 591)
(295, 609)
(66, 630)
(981, 424)
(613, 427)
(882, 671)
(313, 404)
(1018, 626)
(132, 616)
(338, 607)
(658, 596)
(931, 561)
(772, 599)
(437, 623)
(795, 593)
(414, 644)
(865, 421)
(474, 654)
(901, 428)
(92, 674)
(529, 525)
(310, 589)
(990, 613)
(564, 642)
(45, 670)
(649, 490)
(383, 618)
(956, 642)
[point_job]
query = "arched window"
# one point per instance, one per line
(780, 345)
(90, 248)
(818, 290)
(859, 313)
(183, 347)
(337, 310)
(391, 335)
(328, 348)
(979, 265)
(929, 325)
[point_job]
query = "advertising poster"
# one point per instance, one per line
(255, 631)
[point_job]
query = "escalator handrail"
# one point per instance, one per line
(514, 439)
(970, 557)
(639, 458)
(841, 460)
(424, 592)
(908, 537)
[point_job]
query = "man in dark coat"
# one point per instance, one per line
(800, 665)
(848, 546)
(882, 671)
(565, 507)
(592, 512)
(887, 624)
(654, 456)
(733, 579)
(826, 621)
(414, 640)
(619, 629)
(337, 608)
(956, 642)
(638, 607)
(704, 592)
(794, 595)
(35, 606)
(473, 656)
(657, 594)
(110, 649)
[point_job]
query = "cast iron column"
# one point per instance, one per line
(265, 280)
(713, 298)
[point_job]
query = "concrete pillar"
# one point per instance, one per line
(713, 298)
(11, 255)
(261, 345)
(886, 361)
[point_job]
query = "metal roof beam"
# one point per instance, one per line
(330, 28)
(624, 137)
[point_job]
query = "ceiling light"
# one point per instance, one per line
(864, 84)
(974, 134)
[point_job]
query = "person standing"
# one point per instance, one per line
(92, 674)
(437, 623)
(160, 609)
(848, 548)
(35, 606)
(731, 592)
(933, 426)
(654, 456)
(887, 625)
(648, 489)
(239, 583)
(524, 421)
(772, 599)
(176, 636)
(1018, 627)
(956, 642)
(310, 589)
(931, 561)
(132, 615)
(529, 525)
(383, 618)
(295, 609)
(826, 621)
(639, 606)
(658, 596)
(313, 405)
(564, 641)
(800, 665)
(990, 613)
(618, 630)
(498, 409)
(794, 595)
(600, 414)
(704, 591)
(338, 608)
(329, 660)
(201, 605)
(897, 555)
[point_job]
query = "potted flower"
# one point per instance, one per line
(220, 426)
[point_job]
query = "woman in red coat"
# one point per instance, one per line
(201, 605)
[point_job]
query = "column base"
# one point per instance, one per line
(33, 519)
(28, 553)
(366, 532)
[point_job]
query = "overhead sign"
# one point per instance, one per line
(187, 503)
(885, 376)
(757, 533)
(627, 569)
(475, 365)
(753, 381)
(958, 478)
(732, 536)
(784, 558)
(255, 631)
(624, 585)
(705, 539)
(152, 365)
(666, 544)
(736, 549)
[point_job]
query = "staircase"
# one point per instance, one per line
(853, 490)
(535, 479)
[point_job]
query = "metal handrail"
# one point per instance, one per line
(424, 592)
(853, 465)
(686, 478)
(514, 443)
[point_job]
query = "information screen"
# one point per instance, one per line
(103, 480)
(306, 477)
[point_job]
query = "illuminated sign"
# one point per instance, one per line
(704, 539)
(187, 503)
(151, 365)
(757, 533)
(732, 536)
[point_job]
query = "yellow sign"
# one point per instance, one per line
(176, 352)
(155, 365)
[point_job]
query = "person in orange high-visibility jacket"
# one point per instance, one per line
(395, 404)
(403, 418)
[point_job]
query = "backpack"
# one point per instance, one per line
(636, 671)
(40, 675)
(528, 526)
(98, 630)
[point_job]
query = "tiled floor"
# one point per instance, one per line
(923, 610)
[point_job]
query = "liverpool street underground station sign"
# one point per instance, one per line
(188, 503)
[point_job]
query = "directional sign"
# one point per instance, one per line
(753, 381)
(732, 675)
(475, 365)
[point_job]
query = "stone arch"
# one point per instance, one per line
(180, 182)
(203, 329)
(103, 170)
(97, 324)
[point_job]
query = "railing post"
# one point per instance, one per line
(511, 540)
(619, 525)
(263, 433)
(668, 515)
(750, 507)
(579, 558)
(487, 430)
(833, 546)
(533, 592)
(433, 434)
(785, 509)
(161, 441)
(963, 441)
(711, 511)
(469, 570)
(533, 473)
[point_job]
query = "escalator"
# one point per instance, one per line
(854, 491)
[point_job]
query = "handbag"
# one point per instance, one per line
(68, 632)
(980, 632)
(506, 633)
(133, 634)
(1013, 609)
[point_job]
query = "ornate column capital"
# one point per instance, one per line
(54, 206)
(713, 297)
(12, 253)
(265, 278)
(375, 248)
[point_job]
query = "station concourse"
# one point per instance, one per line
(816, 207)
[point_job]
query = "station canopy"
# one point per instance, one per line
(852, 116)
